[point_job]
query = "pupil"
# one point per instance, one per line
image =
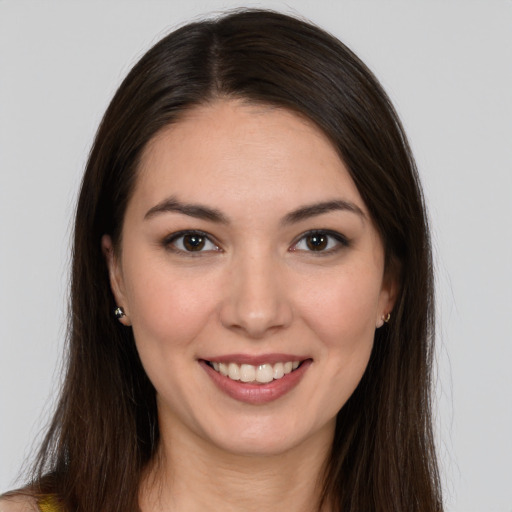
(316, 242)
(193, 242)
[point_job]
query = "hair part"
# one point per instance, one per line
(105, 429)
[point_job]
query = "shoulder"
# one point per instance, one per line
(18, 503)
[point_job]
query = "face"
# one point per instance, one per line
(252, 276)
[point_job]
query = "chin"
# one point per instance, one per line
(274, 439)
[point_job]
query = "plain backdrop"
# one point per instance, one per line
(447, 65)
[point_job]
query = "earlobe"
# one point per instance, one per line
(383, 319)
(116, 280)
(389, 295)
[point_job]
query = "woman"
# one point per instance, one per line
(251, 289)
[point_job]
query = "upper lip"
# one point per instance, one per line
(256, 360)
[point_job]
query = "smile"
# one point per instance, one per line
(256, 380)
(262, 373)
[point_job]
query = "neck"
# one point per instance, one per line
(188, 474)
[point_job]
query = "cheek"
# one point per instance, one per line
(167, 309)
(342, 320)
(168, 314)
(342, 308)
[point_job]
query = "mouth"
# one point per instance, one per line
(256, 380)
(254, 374)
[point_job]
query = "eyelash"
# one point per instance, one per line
(170, 242)
(340, 242)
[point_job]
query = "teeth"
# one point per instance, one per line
(248, 373)
(265, 373)
(278, 371)
(234, 371)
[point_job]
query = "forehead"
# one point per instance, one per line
(230, 151)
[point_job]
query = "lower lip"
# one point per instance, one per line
(257, 393)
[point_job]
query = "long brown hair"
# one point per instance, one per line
(105, 427)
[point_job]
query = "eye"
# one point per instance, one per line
(190, 241)
(320, 241)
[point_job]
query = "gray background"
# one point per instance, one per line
(447, 65)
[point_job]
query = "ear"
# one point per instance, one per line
(116, 277)
(388, 294)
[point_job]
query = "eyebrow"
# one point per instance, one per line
(312, 210)
(198, 211)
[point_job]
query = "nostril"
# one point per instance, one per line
(256, 318)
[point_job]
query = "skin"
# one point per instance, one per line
(255, 288)
(18, 504)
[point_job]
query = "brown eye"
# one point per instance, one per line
(317, 241)
(194, 242)
(190, 242)
(321, 242)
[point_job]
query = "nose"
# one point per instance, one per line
(255, 301)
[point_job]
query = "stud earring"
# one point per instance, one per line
(119, 313)
(386, 318)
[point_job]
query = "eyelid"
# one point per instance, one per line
(169, 240)
(342, 241)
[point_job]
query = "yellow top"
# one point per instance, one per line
(48, 504)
